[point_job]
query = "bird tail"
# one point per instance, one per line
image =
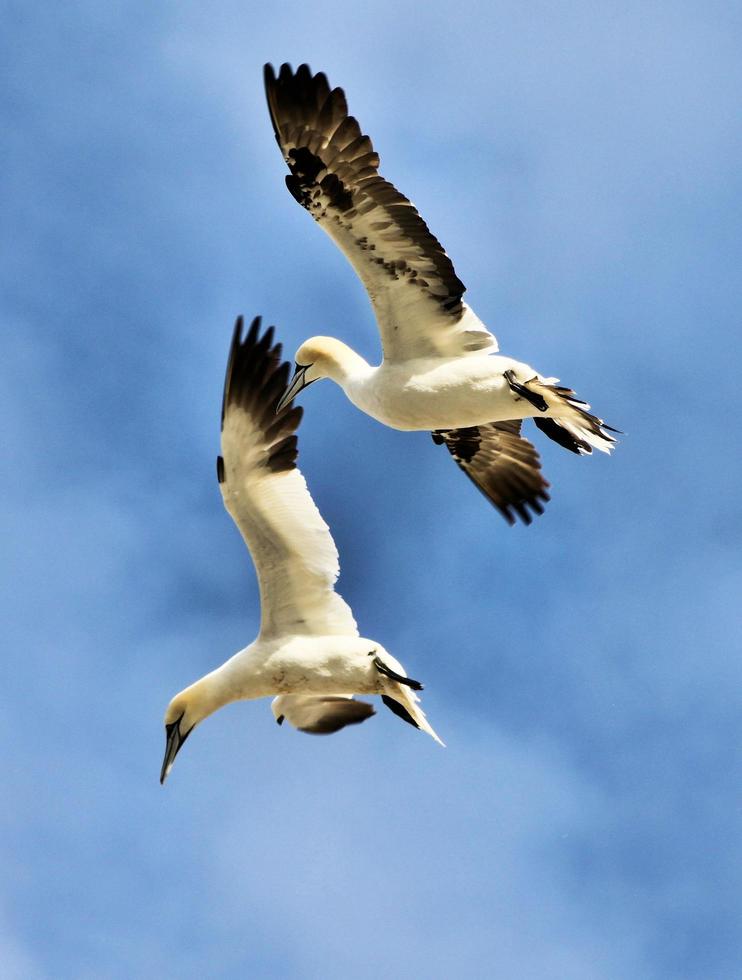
(568, 421)
(410, 704)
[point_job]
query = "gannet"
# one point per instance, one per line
(440, 370)
(308, 652)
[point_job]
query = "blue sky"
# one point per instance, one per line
(580, 162)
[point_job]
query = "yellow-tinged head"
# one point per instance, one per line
(185, 711)
(326, 355)
(321, 357)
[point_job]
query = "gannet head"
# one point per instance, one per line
(178, 726)
(317, 358)
(184, 712)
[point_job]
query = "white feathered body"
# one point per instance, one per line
(310, 665)
(443, 393)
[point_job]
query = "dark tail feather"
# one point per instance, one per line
(571, 424)
(552, 429)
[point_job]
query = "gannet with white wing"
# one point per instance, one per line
(440, 370)
(308, 653)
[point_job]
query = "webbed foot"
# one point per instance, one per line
(530, 396)
(394, 676)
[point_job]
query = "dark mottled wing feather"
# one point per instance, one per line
(504, 465)
(295, 557)
(415, 292)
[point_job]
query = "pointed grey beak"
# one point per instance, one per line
(297, 383)
(173, 741)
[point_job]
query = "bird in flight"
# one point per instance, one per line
(308, 654)
(440, 370)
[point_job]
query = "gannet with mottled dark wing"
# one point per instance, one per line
(440, 370)
(308, 653)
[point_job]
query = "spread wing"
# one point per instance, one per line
(504, 465)
(415, 292)
(267, 497)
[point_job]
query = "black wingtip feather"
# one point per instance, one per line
(315, 131)
(236, 334)
(254, 381)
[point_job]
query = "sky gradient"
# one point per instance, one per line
(581, 165)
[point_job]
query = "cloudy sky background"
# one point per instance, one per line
(581, 164)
